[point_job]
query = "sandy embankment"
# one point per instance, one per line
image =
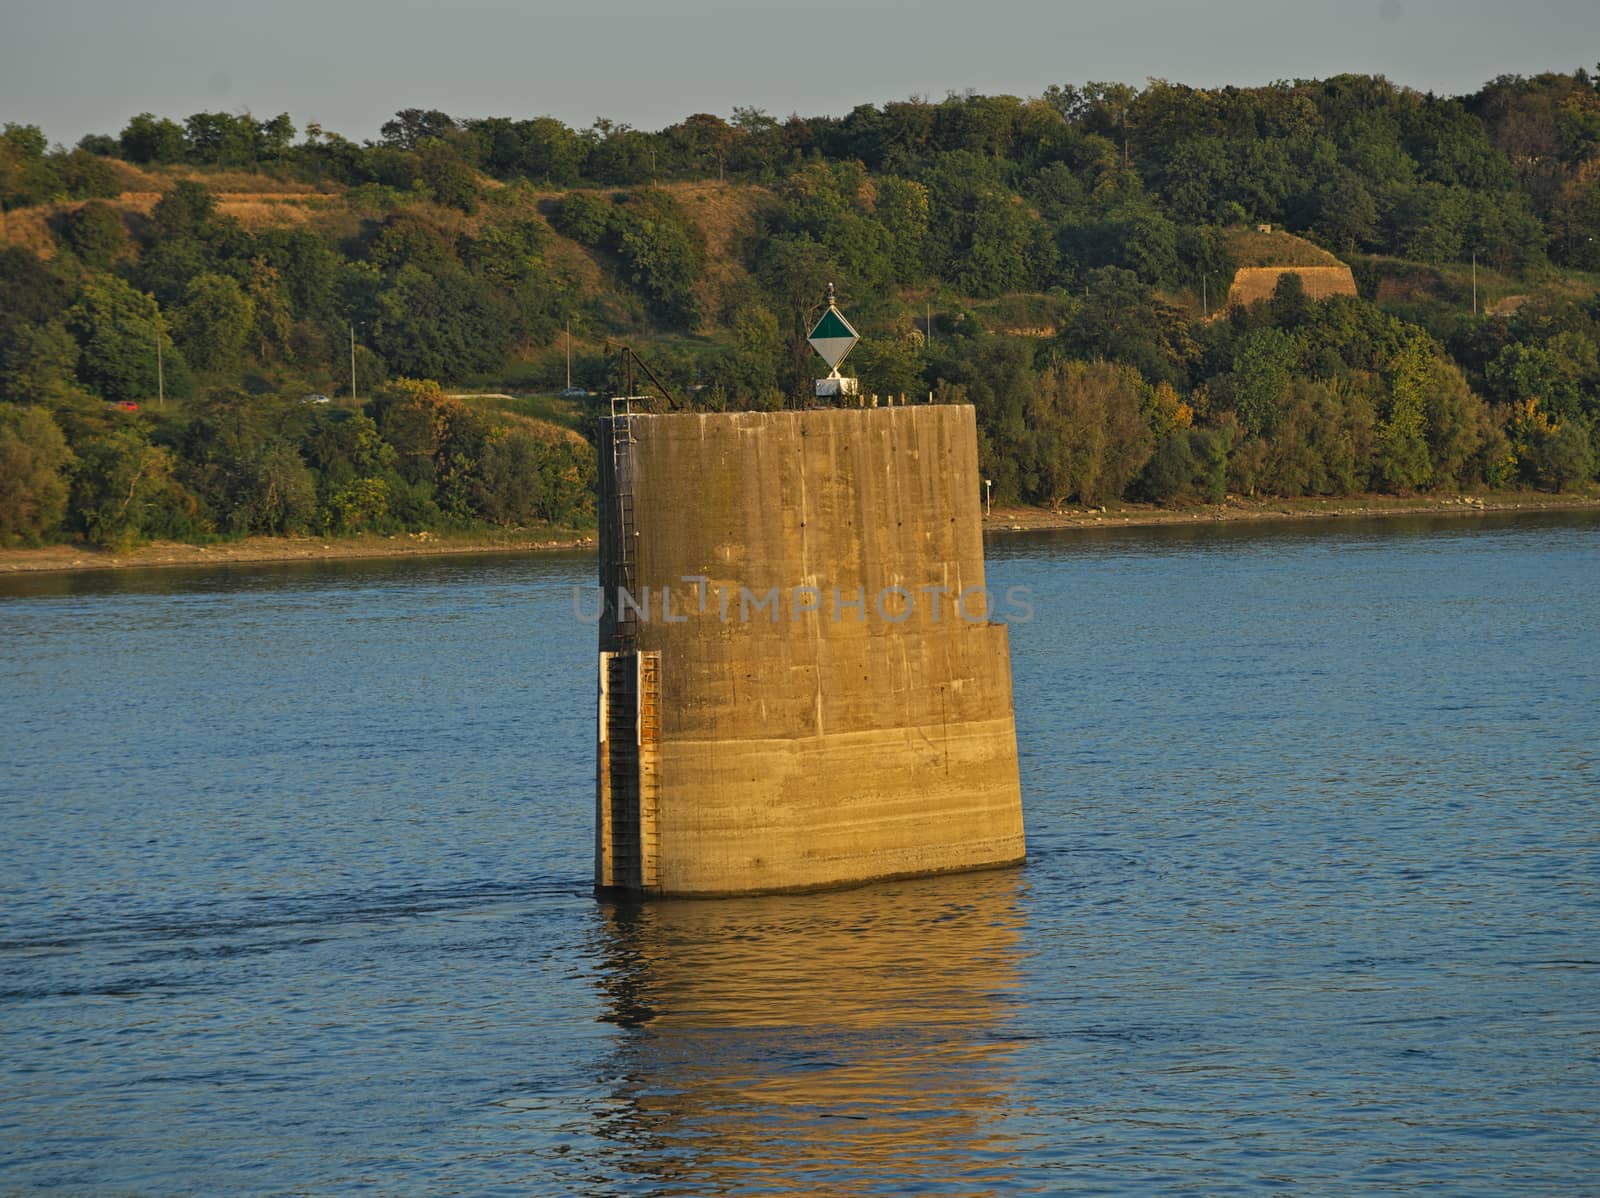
(1238, 510)
(281, 549)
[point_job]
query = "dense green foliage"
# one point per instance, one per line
(1075, 248)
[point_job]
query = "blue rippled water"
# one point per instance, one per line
(296, 876)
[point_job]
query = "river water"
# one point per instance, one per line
(296, 863)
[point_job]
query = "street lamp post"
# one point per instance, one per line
(988, 510)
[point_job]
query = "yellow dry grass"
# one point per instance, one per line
(1254, 283)
(543, 430)
(260, 213)
(572, 259)
(726, 215)
(29, 228)
(162, 178)
(725, 212)
(1251, 247)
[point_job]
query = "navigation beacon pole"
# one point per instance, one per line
(833, 338)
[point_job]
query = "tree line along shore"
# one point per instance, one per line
(225, 327)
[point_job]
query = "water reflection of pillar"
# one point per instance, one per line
(818, 1044)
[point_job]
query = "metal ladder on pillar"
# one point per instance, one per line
(630, 695)
(627, 551)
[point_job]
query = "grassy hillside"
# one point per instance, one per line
(1249, 246)
(1052, 261)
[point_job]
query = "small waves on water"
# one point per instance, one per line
(297, 862)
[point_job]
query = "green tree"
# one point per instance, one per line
(1457, 424)
(584, 217)
(273, 138)
(551, 152)
(662, 252)
(437, 441)
(85, 176)
(359, 503)
(116, 330)
(34, 465)
(37, 362)
(1430, 222)
(439, 325)
(1189, 465)
(1565, 455)
(1347, 216)
(411, 128)
(704, 141)
(308, 269)
(222, 139)
(795, 272)
(620, 156)
(902, 207)
(95, 234)
(833, 205)
(214, 322)
(340, 446)
(746, 376)
(1575, 219)
(37, 357)
(26, 177)
(411, 239)
(993, 254)
(508, 483)
(272, 322)
(510, 259)
(1563, 373)
(277, 494)
(1093, 439)
(183, 211)
(1262, 368)
(165, 269)
(452, 182)
(1291, 306)
(1403, 462)
(120, 484)
(891, 365)
(1121, 319)
(149, 138)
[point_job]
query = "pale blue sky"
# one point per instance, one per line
(79, 66)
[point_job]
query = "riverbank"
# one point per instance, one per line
(286, 549)
(1241, 510)
(1000, 521)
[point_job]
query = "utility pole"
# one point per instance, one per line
(1474, 282)
(1205, 301)
(161, 381)
(930, 324)
(352, 361)
(568, 327)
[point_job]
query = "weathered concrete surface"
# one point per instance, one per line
(836, 745)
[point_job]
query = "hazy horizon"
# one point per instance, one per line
(85, 66)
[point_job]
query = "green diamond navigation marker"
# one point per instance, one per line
(833, 337)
